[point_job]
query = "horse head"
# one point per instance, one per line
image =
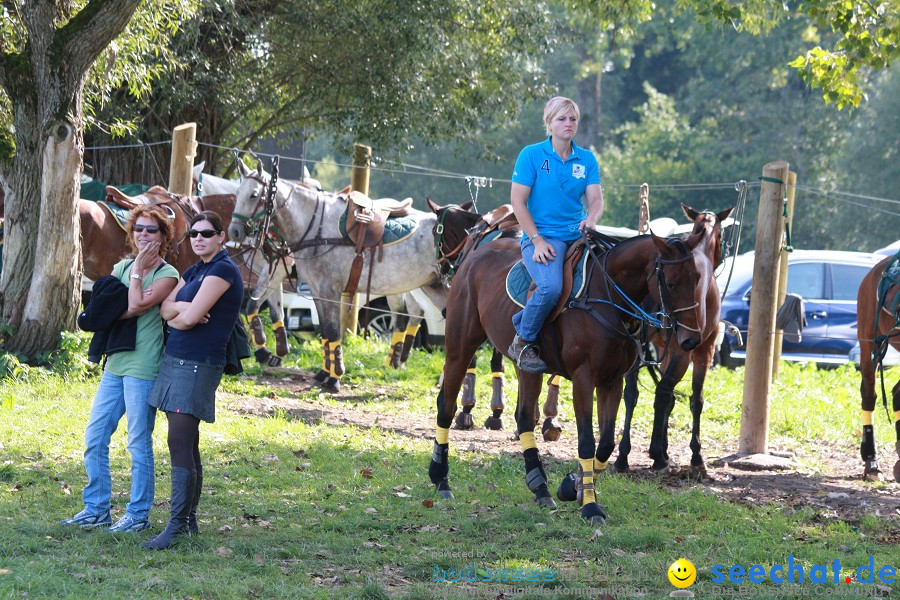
(712, 223)
(683, 273)
(249, 201)
(450, 231)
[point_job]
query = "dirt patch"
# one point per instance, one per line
(834, 488)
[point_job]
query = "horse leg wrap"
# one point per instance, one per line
(408, 341)
(535, 476)
(599, 467)
(393, 359)
(256, 327)
(262, 355)
(281, 339)
(468, 391)
(497, 400)
(586, 493)
(325, 373)
(440, 463)
(867, 447)
(337, 362)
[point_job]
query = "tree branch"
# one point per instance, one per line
(82, 39)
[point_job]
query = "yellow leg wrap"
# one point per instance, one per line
(412, 330)
(599, 466)
(258, 346)
(325, 356)
(587, 481)
(867, 417)
(332, 350)
(527, 440)
(277, 325)
(397, 338)
(896, 415)
(497, 375)
(472, 371)
(442, 435)
(555, 379)
(253, 316)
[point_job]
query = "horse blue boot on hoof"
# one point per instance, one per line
(440, 463)
(535, 476)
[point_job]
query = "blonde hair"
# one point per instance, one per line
(166, 229)
(556, 106)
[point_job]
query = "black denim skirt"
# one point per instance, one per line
(185, 386)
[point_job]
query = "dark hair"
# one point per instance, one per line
(166, 228)
(212, 217)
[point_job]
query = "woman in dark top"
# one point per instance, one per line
(201, 312)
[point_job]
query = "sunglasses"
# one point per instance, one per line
(206, 233)
(147, 228)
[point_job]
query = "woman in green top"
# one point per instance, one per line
(128, 377)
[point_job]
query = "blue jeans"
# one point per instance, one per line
(549, 280)
(117, 396)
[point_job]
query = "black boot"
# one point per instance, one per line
(192, 516)
(183, 483)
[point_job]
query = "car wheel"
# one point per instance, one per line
(724, 355)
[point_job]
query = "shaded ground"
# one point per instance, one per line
(835, 490)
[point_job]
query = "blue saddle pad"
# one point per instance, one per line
(518, 281)
(396, 229)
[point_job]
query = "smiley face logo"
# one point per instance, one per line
(682, 573)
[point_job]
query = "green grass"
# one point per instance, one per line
(289, 510)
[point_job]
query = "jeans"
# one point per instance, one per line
(549, 280)
(117, 396)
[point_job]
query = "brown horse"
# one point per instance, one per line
(592, 342)
(458, 232)
(675, 362)
(103, 241)
(878, 326)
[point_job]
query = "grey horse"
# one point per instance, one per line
(308, 221)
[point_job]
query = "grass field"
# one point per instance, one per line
(301, 509)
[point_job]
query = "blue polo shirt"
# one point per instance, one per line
(557, 187)
(206, 341)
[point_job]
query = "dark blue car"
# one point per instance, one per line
(826, 279)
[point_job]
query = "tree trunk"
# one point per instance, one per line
(40, 282)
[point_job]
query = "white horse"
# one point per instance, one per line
(308, 221)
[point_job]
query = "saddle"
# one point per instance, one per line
(366, 217)
(366, 220)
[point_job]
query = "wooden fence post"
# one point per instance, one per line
(754, 436)
(783, 275)
(184, 148)
(362, 156)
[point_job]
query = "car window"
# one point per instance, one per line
(846, 280)
(807, 280)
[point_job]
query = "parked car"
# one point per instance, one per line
(827, 280)
(301, 316)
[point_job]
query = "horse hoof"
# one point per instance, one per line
(493, 423)
(567, 491)
(465, 421)
(332, 385)
(321, 376)
(262, 356)
(620, 466)
(446, 494)
(551, 429)
(274, 361)
(875, 476)
(546, 502)
(593, 514)
(660, 467)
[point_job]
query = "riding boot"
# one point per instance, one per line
(183, 483)
(524, 354)
(192, 515)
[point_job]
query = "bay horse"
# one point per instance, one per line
(308, 220)
(878, 325)
(592, 342)
(458, 231)
(675, 362)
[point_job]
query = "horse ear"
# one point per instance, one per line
(690, 213)
(243, 169)
(467, 206)
(198, 168)
(259, 167)
(661, 246)
(433, 206)
(720, 217)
